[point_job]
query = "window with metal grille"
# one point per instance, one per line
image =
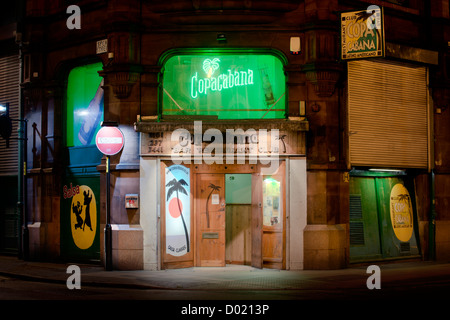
(356, 221)
(9, 93)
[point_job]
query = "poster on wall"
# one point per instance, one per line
(80, 218)
(84, 215)
(178, 210)
(271, 201)
(84, 104)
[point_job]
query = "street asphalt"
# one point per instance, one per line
(401, 279)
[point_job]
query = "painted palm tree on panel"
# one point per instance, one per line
(177, 186)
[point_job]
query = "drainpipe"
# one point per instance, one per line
(23, 250)
(432, 221)
(427, 22)
(22, 172)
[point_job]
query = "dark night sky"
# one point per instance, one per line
(8, 12)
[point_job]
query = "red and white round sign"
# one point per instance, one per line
(109, 140)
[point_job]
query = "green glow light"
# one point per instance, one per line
(84, 104)
(228, 86)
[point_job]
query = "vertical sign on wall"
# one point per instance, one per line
(401, 212)
(362, 34)
(178, 210)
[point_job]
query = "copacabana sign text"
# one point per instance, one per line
(221, 82)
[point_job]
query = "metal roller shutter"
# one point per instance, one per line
(387, 114)
(9, 92)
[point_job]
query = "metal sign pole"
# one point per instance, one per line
(108, 231)
(109, 141)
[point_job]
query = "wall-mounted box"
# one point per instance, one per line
(131, 201)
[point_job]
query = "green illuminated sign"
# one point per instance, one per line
(84, 105)
(228, 86)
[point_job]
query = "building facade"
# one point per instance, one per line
(250, 135)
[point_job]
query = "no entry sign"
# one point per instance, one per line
(109, 140)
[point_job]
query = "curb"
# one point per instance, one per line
(88, 283)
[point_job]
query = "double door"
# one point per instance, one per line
(210, 225)
(383, 222)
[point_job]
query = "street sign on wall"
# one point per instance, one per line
(109, 140)
(362, 34)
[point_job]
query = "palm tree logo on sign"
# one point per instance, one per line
(177, 210)
(210, 66)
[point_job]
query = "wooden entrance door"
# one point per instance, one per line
(257, 221)
(274, 221)
(210, 216)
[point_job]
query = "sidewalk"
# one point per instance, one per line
(397, 277)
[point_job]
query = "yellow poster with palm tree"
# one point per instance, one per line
(401, 212)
